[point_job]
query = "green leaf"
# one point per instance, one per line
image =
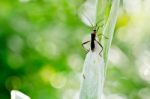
(109, 28)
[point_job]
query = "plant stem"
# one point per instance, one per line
(109, 28)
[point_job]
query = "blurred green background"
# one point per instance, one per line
(41, 53)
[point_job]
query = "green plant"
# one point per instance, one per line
(94, 67)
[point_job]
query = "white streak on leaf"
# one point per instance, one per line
(93, 76)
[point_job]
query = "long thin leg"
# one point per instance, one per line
(103, 35)
(85, 43)
(99, 25)
(99, 21)
(89, 20)
(97, 28)
(101, 47)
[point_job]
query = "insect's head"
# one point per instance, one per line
(94, 29)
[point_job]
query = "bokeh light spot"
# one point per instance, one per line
(58, 80)
(13, 82)
(75, 62)
(15, 44)
(143, 64)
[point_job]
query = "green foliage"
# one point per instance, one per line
(41, 53)
(109, 28)
(37, 37)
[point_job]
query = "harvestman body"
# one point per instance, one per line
(93, 69)
(93, 41)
